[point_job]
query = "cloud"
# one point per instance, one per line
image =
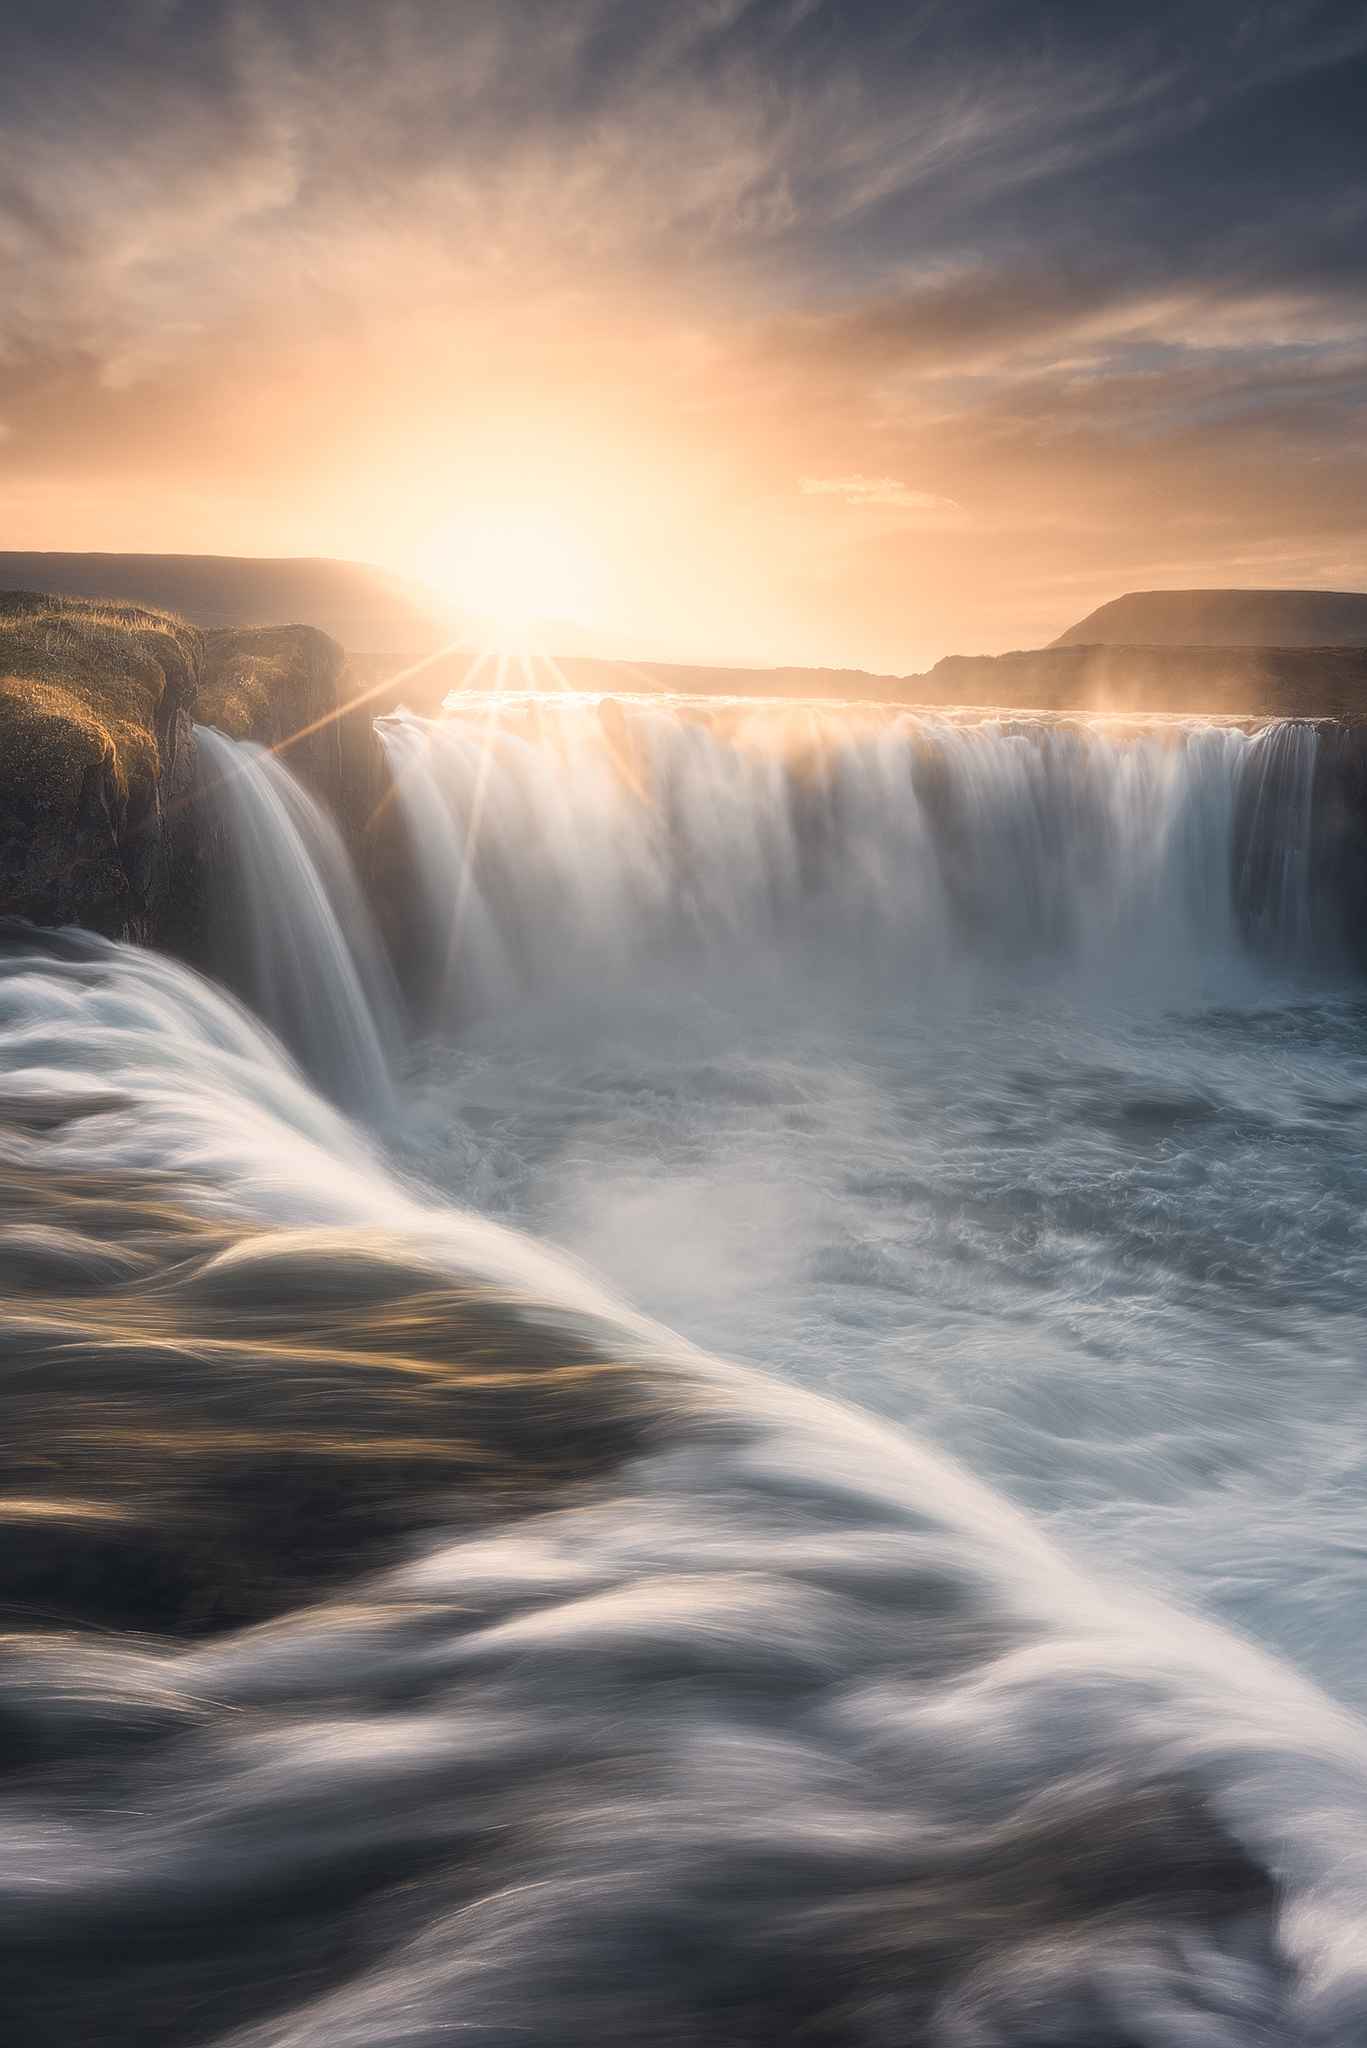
(882, 491)
(167, 165)
(1067, 266)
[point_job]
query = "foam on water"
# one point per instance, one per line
(1113, 1258)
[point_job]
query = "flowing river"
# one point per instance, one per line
(975, 1658)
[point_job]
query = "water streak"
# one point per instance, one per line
(562, 842)
(1279, 784)
(770, 1722)
(290, 930)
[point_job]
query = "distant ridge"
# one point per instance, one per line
(1225, 618)
(1254, 653)
(364, 608)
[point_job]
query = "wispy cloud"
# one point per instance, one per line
(884, 491)
(1062, 266)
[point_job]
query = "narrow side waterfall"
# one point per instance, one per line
(558, 839)
(1279, 796)
(290, 930)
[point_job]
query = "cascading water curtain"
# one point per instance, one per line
(564, 842)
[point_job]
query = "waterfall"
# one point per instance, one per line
(1276, 864)
(567, 839)
(288, 926)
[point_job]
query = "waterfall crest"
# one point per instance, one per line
(291, 932)
(559, 839)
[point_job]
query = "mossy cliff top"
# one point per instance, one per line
(263, 682)
(85, 684)
(93, 697)
(97, 811)
(284, 687)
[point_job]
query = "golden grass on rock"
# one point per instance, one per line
(91, 696)
(97, 671)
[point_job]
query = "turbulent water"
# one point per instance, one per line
(414, 1642)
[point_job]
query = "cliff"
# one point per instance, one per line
(97, 770)
(95, 760)
(292, 688)
(102, 822)
(280, 686)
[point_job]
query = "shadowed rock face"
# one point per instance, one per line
(1225, 618)
(98, 821)
(293, 689)
(95, 704)
(279, 686)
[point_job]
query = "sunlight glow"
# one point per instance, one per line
(510, 571)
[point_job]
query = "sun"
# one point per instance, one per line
(510, 570)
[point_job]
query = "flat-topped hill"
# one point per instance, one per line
(362, 607)
(1225, 618)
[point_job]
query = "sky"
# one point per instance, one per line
(841, 332)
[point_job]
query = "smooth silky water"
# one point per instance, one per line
(993, 1076)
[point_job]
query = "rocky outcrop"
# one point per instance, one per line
(292, 688)
(95, 761)
(279, 686)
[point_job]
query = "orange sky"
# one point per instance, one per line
(816, 339)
